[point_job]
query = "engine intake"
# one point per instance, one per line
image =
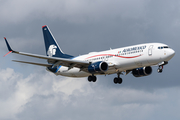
(140, 72)
(98, 67)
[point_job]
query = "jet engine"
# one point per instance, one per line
(98, 67)
(140, 72)
(54, 70)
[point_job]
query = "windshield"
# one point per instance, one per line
(162, 47)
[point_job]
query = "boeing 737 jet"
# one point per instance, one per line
(136, 59)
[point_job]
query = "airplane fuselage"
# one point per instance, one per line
(122, 59)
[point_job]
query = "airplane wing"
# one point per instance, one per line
(40, 64)
(58, 61)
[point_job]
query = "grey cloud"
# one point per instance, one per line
(72, 11)
(43, 96)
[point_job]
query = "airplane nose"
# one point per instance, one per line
(171, 53)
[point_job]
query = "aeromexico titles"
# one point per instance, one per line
(137, 59)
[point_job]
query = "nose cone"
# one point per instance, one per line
(171, 53)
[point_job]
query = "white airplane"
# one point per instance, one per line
(137, 59)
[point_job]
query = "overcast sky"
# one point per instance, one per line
(29, 92)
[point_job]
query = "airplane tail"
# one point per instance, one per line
(52, 47)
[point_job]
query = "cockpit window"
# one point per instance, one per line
(166, 47)
(162, 47)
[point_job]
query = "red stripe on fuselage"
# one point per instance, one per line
(130, 57)
(113, 55)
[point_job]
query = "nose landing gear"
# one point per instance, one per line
(160, 69)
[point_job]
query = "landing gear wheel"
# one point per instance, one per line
(120, 80)
(117, 80)
(92, 78)
(159, 70)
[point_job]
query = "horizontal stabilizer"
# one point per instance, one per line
(40, 64)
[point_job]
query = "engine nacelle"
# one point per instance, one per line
(144, 71)
(98, 67)
(54, 70)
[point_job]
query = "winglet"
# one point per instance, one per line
(44, 26)
(8, 46)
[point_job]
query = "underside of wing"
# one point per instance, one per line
(58, 61)
(33, 63)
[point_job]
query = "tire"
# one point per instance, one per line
(90, 78)
(159, 70)
(94, 78)
(115, 80)
(120, 80)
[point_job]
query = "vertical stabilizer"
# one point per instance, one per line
(52, 47)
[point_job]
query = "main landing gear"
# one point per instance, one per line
(118, 79)
(92, 78)
(160, 69)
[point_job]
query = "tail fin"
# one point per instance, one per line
(52, 47)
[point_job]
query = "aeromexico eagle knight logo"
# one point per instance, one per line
(52, 50)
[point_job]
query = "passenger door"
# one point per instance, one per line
(150, 50)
